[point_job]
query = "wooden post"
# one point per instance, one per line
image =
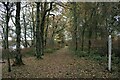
(109, 52)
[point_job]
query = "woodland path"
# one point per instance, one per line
(60, 64)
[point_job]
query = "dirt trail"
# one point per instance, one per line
(60, 64)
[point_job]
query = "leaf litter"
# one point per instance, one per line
(60, 64)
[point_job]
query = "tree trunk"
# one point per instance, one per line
(31, 43)
(6, 37)
(6, 41)
(33, 22)
(82, 43)
(43, 16)
(89, 40)
(38, 40)
(43, 9)
(75, 24)
(46, 30)
(3, 36)
(96, 31)
(7, 27)
(18, 56)
(25, 33)
(90, 29)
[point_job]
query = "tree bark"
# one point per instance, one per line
(6, 34)
(90, 29)
(83, 33)
(18, 56)
(25, 33)
(3, 36)
(46, 30)
(38, 40)
(43, 23)
(89, 41)
(82, 43)
(75, 24)
(33, 22)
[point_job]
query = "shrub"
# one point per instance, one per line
(48, 50)
(81, 53)
(28, 52)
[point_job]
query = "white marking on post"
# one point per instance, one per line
(109, 52)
